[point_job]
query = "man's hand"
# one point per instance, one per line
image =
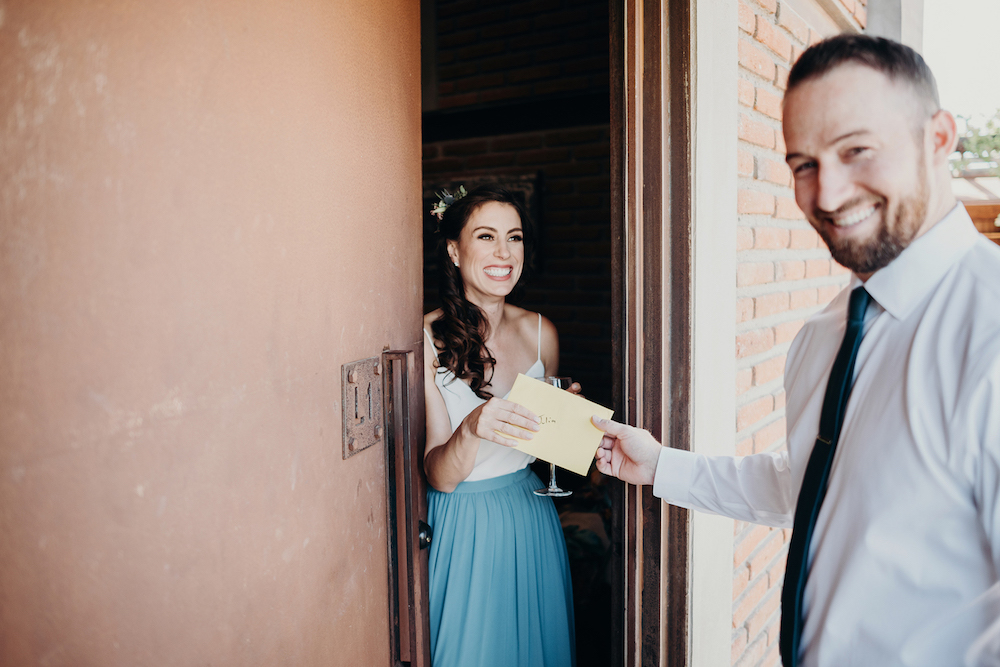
(628, 453)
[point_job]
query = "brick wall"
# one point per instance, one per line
(784, 275)
(506, 50)
(573, 284)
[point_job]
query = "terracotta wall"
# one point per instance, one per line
(205, 209)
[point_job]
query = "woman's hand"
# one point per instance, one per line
(504, 416)
(574, 388)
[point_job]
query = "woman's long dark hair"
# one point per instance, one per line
(463, 328)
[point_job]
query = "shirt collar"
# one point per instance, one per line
(904, 283)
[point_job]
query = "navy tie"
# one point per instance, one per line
(838, 389)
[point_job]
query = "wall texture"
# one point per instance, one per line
(784, 274)
(205, 209)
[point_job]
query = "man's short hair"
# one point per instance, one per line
(896, 61)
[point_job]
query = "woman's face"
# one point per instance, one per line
(490, 251)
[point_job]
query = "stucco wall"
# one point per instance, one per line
(205, 209)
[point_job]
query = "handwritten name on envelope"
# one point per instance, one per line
(567, 436)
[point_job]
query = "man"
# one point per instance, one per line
(890, 482)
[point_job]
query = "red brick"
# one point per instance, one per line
(516, 141)
(817, 267)
(802, 239)
(751, 598)
(773, 38)
(758, 621)
(754, 342)
(744, 448)
(756, 60)
(753, 655)
(458, 100)
(770, 304)
(769, 370)
(793, 23)
(779, 402)
(775, 172)
(751, 540)
(469, 147)
(744, 309)
(770, 238)
(744, 238)
(776, 574)
(768, 104)
(787, 331)
(756, 133)
(803, 298)
(751, 273)
(781, 78)
(744, 92)
(861, 14)
(770, 6)
(766, 551)
(739, 645)
(744, 379)
(505, 93)
(773, 632)
(752, 201)
(744, 163)
(765, 438)
(792, 269)
(772, 657)
(745, 17)
(825, 294)
(837, 269)
(750, 414)
(543, 155)
(787, 209)
(779, 143)
(815, 37)
(848, 5)
(532, 73)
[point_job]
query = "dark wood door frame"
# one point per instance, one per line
(652, 297)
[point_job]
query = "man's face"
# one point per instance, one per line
(856, 151)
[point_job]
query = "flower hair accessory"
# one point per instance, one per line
(446, 199)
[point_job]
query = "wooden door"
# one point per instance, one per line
(206, 210)
(651, 265)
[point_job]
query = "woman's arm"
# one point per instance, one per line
(450, 456)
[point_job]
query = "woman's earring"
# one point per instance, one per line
(456, 263)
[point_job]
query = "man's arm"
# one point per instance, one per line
(754, 488)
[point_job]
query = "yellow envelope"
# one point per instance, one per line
(567, 436)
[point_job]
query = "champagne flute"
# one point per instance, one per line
(553, 490)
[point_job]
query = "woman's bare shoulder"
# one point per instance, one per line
(432, 317)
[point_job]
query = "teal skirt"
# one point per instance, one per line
(500, 590)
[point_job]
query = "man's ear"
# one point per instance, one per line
(943, 136)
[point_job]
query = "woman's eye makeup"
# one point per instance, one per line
(516, 238)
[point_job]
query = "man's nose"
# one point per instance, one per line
(834, 187)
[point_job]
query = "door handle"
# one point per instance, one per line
(425, 535)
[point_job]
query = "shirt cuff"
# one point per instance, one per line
(673, 476)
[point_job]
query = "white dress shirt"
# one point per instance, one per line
(907, 544)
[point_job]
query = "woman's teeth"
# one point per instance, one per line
(853, 218)
(497, 273)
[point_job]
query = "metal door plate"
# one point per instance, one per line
(364, 421)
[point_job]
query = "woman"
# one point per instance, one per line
(500, 590)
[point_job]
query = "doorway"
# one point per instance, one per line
(518, 93)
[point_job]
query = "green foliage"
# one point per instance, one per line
(980, 143)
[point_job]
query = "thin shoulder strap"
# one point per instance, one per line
(539, 336)
(431, 341)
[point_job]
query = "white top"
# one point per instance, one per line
(492, 460)
(909, 532)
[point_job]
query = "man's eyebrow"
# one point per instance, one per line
(847, 135)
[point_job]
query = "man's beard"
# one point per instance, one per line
(866, 256)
